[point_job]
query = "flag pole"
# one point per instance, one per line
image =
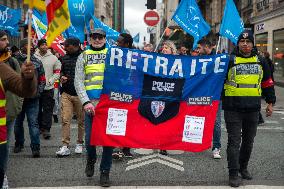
(30, 12)
(162, 35)
(218, 44)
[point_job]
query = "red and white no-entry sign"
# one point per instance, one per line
(151, 18)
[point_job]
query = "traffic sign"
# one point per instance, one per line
(151, 18)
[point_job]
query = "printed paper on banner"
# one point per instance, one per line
(193, 129)
(116, 121)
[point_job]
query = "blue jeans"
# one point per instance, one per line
(31, 108)
(217, 129)
(91, 150)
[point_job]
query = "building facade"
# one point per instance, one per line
(118, 15)
(104, 11)
(267, 18)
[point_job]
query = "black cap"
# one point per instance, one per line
(246, 34)
(71, 41)
(99, 31)
(2, 33)
(40, 42)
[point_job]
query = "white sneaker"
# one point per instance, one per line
(216, 153)
(79, 149)
(64, 151)
(5, 183)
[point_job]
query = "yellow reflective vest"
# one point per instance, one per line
(94, 72)
(3, 128)
(244, 78)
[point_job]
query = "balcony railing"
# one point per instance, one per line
(262, 5)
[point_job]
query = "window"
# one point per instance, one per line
(261, 41)
(278, 51)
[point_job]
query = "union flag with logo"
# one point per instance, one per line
(158, 101)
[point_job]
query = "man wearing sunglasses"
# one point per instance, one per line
(88, 82)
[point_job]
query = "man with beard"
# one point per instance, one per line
(23, 85)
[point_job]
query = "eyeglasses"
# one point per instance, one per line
(100, 37)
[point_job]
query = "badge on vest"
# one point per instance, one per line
(95, 58)
(247, 69)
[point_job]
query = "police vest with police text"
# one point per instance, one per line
(94, 72)
(244, 78)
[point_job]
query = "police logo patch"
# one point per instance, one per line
(157, 108)
(160, 99)
(245, 35)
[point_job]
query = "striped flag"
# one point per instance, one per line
(58, 17)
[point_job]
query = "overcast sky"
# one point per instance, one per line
(134, 11)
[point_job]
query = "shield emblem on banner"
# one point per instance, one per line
(157, 108)
(160, 98)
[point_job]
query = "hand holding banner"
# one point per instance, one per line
(159, 101)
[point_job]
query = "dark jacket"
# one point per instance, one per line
(68, 65)
(251, 103)
(13, 102)
(40, 75)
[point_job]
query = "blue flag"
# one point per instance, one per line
(190, 19)
(110, 33)
(232, 24)
(74, 31)
(136, 38)
(9, 19)
(39, 23)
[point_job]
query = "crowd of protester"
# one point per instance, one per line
(68, 87)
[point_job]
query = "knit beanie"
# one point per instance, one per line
(246, 34)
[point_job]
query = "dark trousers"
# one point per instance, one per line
(106, 161)
(46, 104)
(241, 128)
(3, 161)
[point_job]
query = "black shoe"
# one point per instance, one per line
(46, 135)
(117, 155)
(126, 153)
(235, 181)
(18, 148)
(55, 118)
(245, 174)
(104, 179)
(163, 152)
(36, 153)
(90, 167)
(260, 122)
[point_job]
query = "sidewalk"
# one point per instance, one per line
(161, 187)
(279, 80)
